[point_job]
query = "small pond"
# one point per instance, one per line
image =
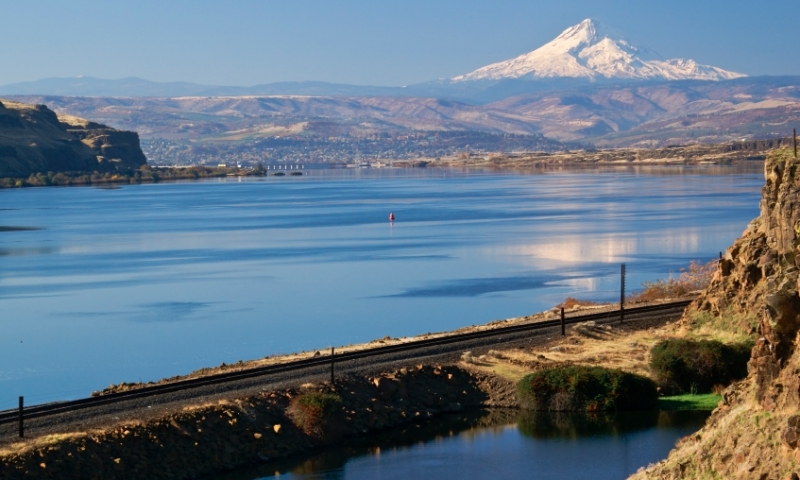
(499, 444)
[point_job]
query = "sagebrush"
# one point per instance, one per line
(318, 414)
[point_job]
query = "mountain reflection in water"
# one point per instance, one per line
(497, 444)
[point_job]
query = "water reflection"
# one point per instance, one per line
(497, 444)
(545, 425)
(150, 281)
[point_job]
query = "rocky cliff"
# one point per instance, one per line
(755, 433)
(34, 139)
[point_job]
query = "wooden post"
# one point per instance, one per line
(794, 140)
(21, 426)
(563, 331)
(622, 295)
(332, 371)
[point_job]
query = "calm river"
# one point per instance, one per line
(497, 444)
(99, 286)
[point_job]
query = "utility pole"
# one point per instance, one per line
(794, 138)
(21, 425)
(332, 367)
(622, 294)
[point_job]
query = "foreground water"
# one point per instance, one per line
(143, 282)
(498, 444)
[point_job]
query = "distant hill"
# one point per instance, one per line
(588, 85)
(33, 139)
(648, 114)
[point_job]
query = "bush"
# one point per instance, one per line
(572, 302)
(697, 366)
(589, 389)
(696, 277)
(318, 414)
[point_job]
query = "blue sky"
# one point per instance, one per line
(368, 42)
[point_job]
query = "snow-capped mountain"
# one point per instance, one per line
(591, 51)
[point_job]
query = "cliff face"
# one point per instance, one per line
(34, 139)
(755, 433)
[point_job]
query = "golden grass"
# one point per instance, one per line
(629, 351)
(39, 442)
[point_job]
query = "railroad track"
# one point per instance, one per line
(9, 416)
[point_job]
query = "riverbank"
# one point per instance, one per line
(146, 174)
(699, 154)
(201, 439)
(207, 438)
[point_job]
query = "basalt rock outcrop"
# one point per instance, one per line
(33, 139)
(755, 433)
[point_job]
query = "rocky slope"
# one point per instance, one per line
(33, 139)
(756, 432)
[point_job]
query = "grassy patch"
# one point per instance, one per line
(707, 401)
(728, 327)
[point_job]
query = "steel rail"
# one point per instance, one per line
(8, 416)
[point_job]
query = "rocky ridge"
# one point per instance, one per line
(755, 433)
(33, 139)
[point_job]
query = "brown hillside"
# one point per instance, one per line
(34, 139)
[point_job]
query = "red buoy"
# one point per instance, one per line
(391, 217)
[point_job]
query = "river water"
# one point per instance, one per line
(103, 285)
(503, 445)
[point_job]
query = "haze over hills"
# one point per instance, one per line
(588, 85)
(586, 52)
(649, 114)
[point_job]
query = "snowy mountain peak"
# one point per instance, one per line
(591, 50)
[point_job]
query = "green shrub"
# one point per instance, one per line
(318, 414)
(697, 366)
(589, 389)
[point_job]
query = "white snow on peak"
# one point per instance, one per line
(590, 50)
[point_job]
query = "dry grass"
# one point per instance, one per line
(39, 442)
(729, 327)
(627, 351)
(696, 277)
(570, 303)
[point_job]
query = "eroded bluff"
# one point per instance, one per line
(33, 139)
(755, 432)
